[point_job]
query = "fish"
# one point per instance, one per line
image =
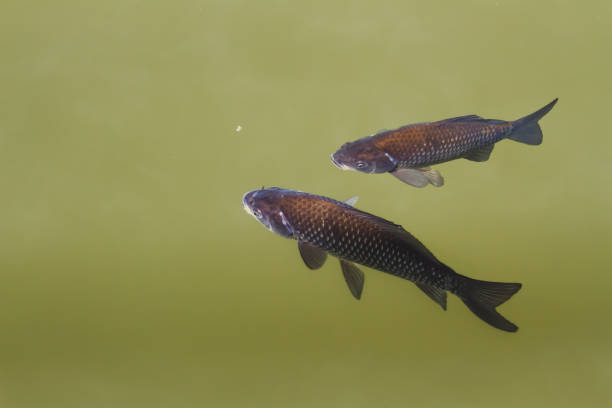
(323, 226)
(409, 152)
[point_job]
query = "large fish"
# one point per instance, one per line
(322, 225)
(407, 152)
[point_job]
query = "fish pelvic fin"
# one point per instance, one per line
(482, 297)
(526, 130)
(419, 177)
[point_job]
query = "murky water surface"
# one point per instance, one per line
(130, 276)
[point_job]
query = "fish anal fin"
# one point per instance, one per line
(419, 177)
(313, 257)
(353, 276)
(480, 154)
(436, 294)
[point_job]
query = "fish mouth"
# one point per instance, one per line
(333, 159)
(245, 203)
(338, 164)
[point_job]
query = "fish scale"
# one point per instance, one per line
(426, 144)
(360, 237)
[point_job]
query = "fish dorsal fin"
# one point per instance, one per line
(353, 276)
(416, 245)
(351, 201)
(313, 257)
(436, 294)
(465, 118)
(472, 118)
(480, 154)
(412, 125)
(400, 233)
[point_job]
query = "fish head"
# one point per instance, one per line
(363, 156)
(265, 206)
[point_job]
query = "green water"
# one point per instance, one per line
(130, 276)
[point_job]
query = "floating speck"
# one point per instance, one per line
(238, 128)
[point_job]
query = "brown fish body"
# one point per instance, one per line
(407, 152)
(322, 225)
(426, 144)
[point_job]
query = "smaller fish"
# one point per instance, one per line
(324, 226)
(409, 151)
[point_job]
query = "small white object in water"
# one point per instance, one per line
(238, 128)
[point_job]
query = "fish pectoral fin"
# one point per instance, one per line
(313, 257)
(353, 276)
(436, 294)
(351, 201)
(481, 154)
(419, 177)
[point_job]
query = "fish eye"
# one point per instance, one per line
(257, 213)
(360, 164)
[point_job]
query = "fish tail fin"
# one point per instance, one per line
(482, 297)
(526, 130)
